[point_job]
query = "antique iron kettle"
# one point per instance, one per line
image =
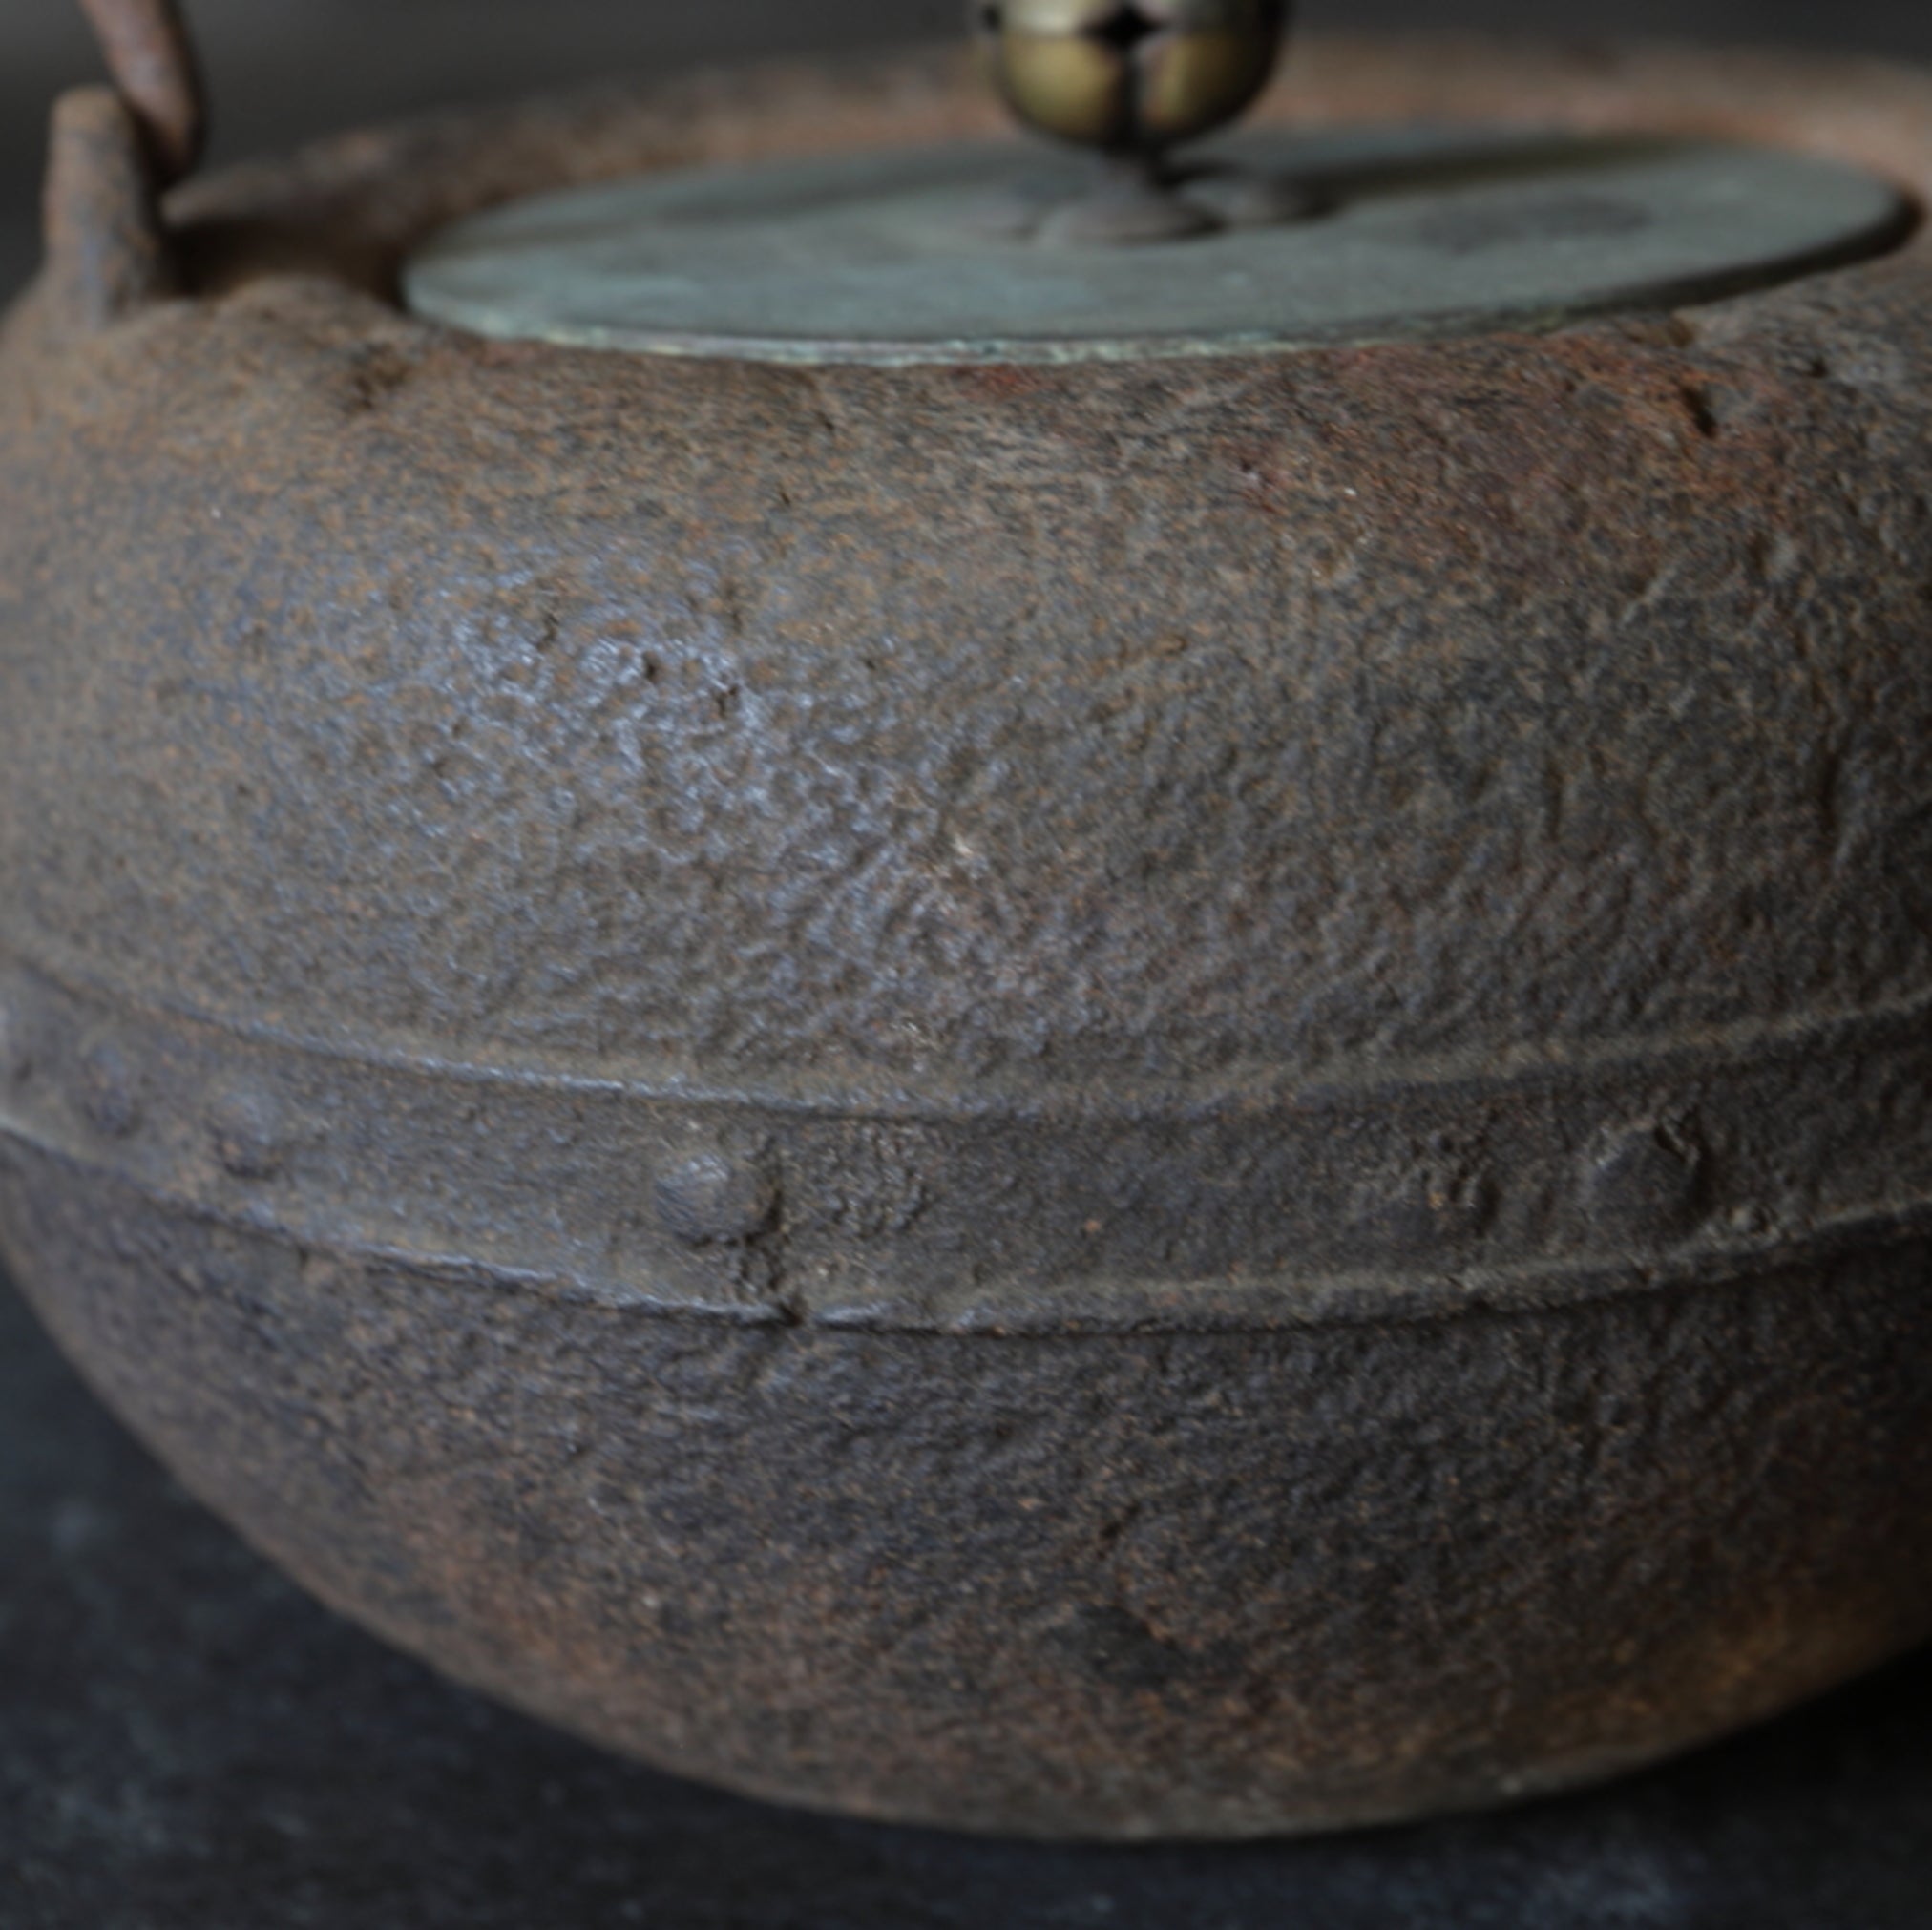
(1114, 1042)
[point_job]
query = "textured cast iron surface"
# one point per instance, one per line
(188, 1743)
(147, 51)
(1162, 1585)
(1176, 1097)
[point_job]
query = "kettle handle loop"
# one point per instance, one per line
(152, 59)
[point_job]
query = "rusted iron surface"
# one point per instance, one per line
(107, 254)
(153, 64)
(1144, 1584)
(1164, 1098)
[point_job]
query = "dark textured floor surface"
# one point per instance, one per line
(186, 1743)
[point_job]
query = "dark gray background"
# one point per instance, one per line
(187, 1744)
(285, 69)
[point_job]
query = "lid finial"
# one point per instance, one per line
(1132, 79)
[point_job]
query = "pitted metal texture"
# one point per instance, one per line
(1441, 1192)
(1161, 1098)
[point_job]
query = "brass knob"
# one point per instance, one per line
(1131, 77)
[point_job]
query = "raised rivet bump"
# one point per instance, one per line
(248, 1134)
(110, 1092)
(716, 1199)
(1428, 1204)
(1645, 1182)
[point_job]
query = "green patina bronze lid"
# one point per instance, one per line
(926, 256)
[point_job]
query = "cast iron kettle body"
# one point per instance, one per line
(1179, 1098)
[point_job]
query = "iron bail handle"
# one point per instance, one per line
(152, 60)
